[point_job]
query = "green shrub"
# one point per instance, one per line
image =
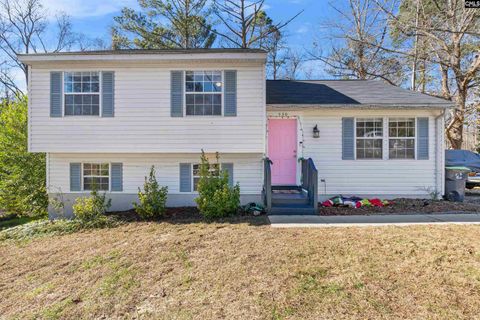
(92, 208)
(216, 198)
(152, 198)
(22, 174)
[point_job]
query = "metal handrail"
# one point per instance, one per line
(267, 183)
(310, 181)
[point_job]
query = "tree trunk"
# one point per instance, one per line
(445, 86)
(455, 129)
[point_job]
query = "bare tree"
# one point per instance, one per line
(276, 47)
(294, 61)
(357, 37)
(452, 35)
(23, 29)
(244, 22)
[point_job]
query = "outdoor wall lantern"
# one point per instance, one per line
(316, 132)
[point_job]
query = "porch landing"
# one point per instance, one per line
(315, 221)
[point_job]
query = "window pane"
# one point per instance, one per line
(401, 148)
(77, 110)
(199, 99)
(208, 110)
(198, 86)
(95, 87)
(68, 110)
(195, 183)
(217, 110)
(369, 148)
(68, 87)
(199, 110)
(207, 87)
(86, 87)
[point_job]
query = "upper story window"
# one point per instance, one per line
(369, 144)
(401, 138)
(203, 93)
(82, 93)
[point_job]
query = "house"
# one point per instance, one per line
(106, 117)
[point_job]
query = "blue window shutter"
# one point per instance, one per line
(230, 94)
(108, 93)
(56, 94)
(348, 138)
(185, 177)
(422, 138)
(75, 177)
(229, 168)
(117, 177)
(176, 93)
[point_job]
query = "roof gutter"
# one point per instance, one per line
(361, 106)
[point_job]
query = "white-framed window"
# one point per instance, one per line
(401, 138)
(81, 93)
(96, 174)
(203, 93)
(214, 168)
(369, 138)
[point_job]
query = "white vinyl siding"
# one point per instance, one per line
(248, 169)
(380, 177)
(143, 122)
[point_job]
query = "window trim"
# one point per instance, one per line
(369, 138)
(414, 138)
(185, 94)
(100, 94)
(386, 138)
(109, 176)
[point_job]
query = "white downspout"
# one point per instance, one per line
(439, 154)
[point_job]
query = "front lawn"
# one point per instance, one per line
(243, 269)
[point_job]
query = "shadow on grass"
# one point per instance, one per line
(15, 221)
(190, 215)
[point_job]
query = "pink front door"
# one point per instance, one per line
(282, 150)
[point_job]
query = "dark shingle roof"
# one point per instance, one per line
(148, 51)
(346, 92)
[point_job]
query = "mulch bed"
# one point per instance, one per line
(189, 215)
(170, 214)
(404, 206)
(397, 206)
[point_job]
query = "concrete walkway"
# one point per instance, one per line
(285, 221)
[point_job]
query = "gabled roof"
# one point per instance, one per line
(351, 93)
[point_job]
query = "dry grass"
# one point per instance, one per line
(242, 271)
